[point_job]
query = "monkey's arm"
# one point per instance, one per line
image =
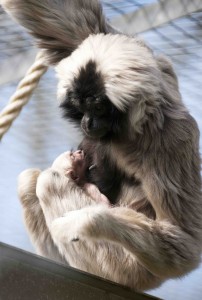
(162, 248)
(59, 194)
(33, 215)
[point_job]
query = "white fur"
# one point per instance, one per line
(61, 164)
(119, 243)
(74, 225)
(118, 58)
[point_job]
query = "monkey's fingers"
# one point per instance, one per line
(95, 194)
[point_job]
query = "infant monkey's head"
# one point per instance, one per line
(72, 164)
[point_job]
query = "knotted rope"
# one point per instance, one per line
(22, 94)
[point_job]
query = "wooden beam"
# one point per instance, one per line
(154, 15)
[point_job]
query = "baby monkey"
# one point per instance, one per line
(73, 165)
(64, 176)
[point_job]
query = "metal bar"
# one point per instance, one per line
(26, 276)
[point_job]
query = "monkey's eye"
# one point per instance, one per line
(73, 101)
(101, 110)
(98, 107)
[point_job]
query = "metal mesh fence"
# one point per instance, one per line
(120, 7)
(170, 27)
(13, 39)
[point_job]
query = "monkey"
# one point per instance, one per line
(38, 190)
(71, 166)
(127, 102)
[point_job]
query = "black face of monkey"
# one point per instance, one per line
(88, 105)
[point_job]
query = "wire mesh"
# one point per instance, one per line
(180, 39)
(40, 134)
(120, 7)
(13, 39)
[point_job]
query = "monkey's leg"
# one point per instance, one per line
(33, 215)
(162, 248)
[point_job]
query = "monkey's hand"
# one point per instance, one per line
(95, 194)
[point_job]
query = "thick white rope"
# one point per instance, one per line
(22, 95)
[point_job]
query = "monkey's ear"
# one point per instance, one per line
(59, 26)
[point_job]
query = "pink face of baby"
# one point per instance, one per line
(71, 163)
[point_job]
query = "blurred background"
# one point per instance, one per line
(171, 27)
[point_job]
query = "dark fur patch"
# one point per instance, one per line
(89, 83)
(86, 94)
(70, 112)
(55, 174)
(105, 174)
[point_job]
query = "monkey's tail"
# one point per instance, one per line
(59, 26)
